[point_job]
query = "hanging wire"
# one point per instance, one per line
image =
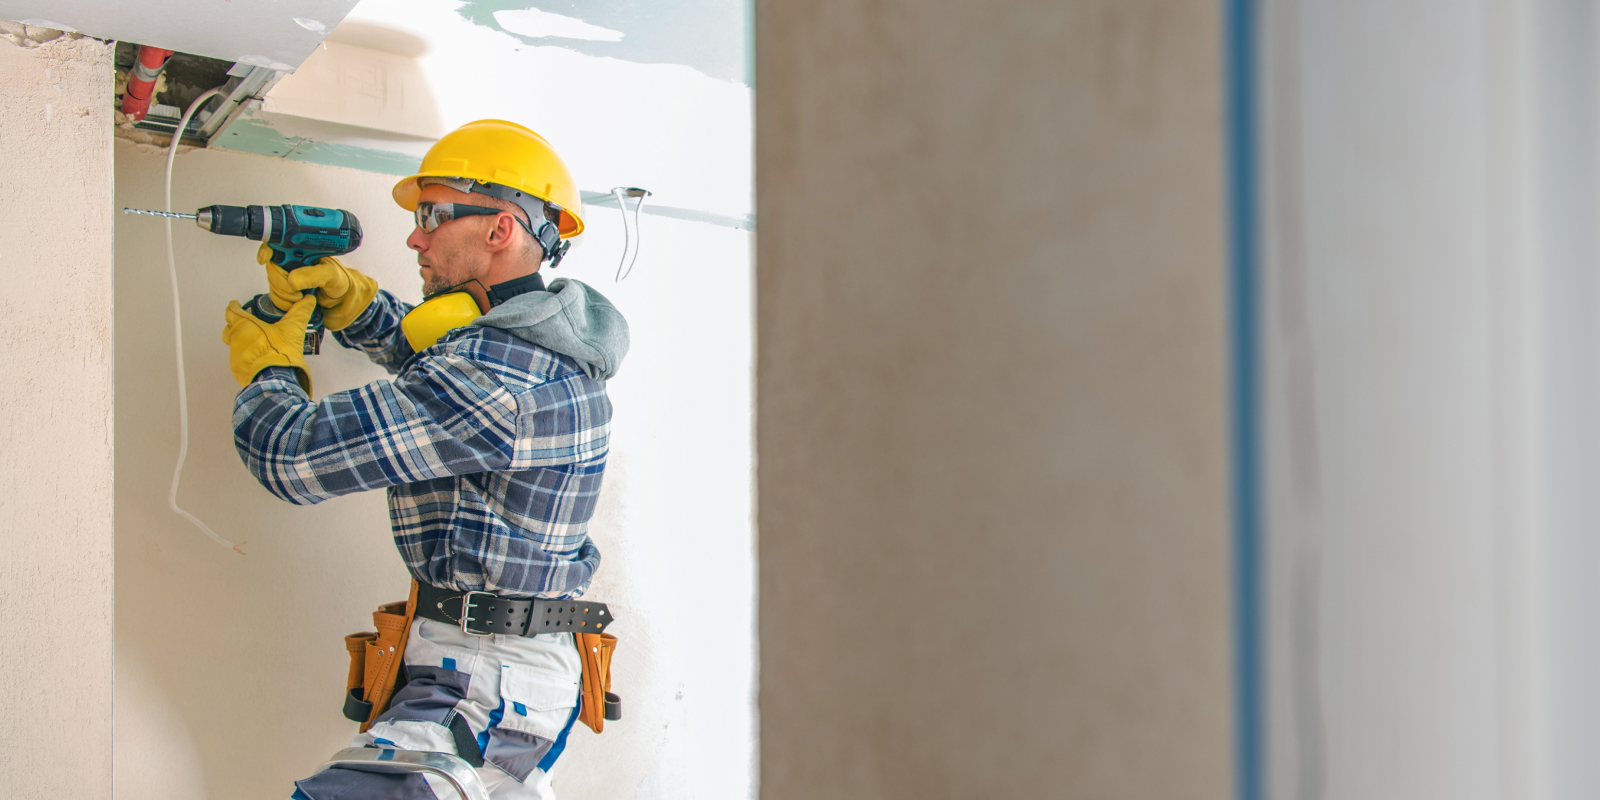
(630, 226)
(177, 333)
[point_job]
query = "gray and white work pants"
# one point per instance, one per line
(519, 696)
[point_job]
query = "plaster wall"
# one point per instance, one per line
(230, 667)
(56, 429)
(991, 382)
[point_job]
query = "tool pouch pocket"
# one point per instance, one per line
(356, 707)
(375, 660)
(599, 704)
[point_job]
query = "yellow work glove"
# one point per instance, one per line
(342, 292)
(255, 344)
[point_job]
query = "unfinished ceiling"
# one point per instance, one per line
(278, 35)
(654, 95)
(396, 74)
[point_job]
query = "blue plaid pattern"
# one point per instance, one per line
(492, 450)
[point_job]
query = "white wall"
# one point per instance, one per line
(1432, 285)
(55, 419)
(230, 668)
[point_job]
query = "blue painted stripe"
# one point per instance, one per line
(382, 741)
(549, 759)
(449, 663)
(1249, 744)
(494, 719)
(520, 708)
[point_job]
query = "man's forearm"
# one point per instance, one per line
(377, 333)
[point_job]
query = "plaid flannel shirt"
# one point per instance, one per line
(492, 450)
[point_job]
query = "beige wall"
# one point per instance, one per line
(991, 400)
(55, 428)
(230, 668)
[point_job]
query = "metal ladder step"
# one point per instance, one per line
(459, 773)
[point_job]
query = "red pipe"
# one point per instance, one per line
(142, 81)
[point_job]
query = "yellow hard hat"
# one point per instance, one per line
(499, 152)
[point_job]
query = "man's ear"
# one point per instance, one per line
(502, 232)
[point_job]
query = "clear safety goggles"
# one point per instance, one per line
(431, 215)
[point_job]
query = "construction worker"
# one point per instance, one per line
(490, 438)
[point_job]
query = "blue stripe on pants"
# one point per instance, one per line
(549, 759)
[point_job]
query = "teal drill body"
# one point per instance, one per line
(298, 235)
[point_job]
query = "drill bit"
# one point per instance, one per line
(159, 213)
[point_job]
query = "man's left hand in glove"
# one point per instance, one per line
(255, 345)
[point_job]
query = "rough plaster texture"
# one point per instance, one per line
(56, 426)
(991, 385)
(230, 668)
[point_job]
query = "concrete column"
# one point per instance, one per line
(55, 461)
(991, 400)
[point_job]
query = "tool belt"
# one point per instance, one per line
(375, 657)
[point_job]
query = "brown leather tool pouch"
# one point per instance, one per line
(375, 660)
(356, 707)
(598, 704)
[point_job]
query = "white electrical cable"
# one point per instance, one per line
(177, 332)
(630, 227)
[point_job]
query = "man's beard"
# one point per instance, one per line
(449, 268)
(446, 275)
(436, 284)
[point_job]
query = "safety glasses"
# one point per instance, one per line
(431, 215)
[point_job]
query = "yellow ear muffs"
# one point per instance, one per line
(437, 316)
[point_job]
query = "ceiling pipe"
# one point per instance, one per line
(142, 81)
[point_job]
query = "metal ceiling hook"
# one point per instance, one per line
(630, 226)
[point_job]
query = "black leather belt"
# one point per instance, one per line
(482, 613)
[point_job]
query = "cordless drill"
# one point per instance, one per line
(298, 235)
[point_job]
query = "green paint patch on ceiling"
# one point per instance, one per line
(252, 134)
(706, 35)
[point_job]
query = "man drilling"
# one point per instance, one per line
(490, 438)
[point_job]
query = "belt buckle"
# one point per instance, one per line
(466, 603)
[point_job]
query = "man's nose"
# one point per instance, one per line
(418, 240)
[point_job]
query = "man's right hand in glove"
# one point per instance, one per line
(342, 292)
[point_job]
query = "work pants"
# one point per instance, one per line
(519, 696)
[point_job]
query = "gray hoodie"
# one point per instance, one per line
(570, 318)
